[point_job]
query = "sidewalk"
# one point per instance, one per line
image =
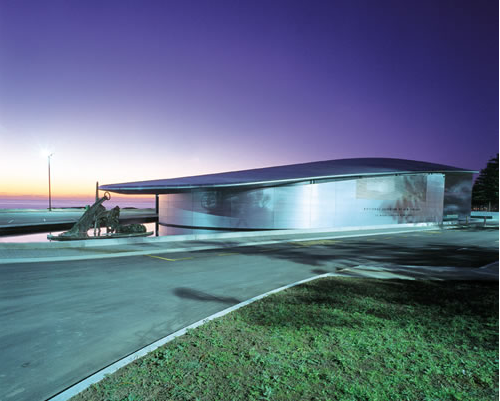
(111, 248)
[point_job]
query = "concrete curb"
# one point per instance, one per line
(490, 266)
(98, 376)
(117, 253)
(191, 237)
(439, 273)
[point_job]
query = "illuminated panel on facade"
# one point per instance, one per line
(457, 195)
(345, 203)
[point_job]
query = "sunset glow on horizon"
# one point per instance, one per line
(124, 91)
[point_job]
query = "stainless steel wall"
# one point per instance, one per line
(457, 195)
(361, 202)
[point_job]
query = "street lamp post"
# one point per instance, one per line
(50, 199)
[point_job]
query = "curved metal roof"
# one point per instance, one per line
(293, 173)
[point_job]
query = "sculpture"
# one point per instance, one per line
(97, 216)
(131, 228)
(109, 219)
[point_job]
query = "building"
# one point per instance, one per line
(333, 193)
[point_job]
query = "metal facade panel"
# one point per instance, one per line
(292, 207)
(347, 211)
(389, 200)
(457, 195)
(435, 196)
(323, 205)
(212, 209)
(176, 209)
(362, 202)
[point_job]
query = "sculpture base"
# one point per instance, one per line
(105, 236)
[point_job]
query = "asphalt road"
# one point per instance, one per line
(62, 321)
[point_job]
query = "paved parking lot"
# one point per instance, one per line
(65, 320)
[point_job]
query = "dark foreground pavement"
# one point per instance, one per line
(62, 321)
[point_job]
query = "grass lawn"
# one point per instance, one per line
(331, 339)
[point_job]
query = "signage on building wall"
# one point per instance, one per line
(393, 211)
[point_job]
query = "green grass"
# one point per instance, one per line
(331, 339)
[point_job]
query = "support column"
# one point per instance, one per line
(157, 210)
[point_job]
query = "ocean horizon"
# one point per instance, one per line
(37, 203)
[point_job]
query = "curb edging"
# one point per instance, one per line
(269, 241)
(101, 374)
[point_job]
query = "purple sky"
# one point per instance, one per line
(136, 90)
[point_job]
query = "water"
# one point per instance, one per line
(40, 204)
(28, 203)
(42, 237)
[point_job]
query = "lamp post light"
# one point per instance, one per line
(50, 199)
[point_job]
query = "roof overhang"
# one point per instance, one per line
(136, 188)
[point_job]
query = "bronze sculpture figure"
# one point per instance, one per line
(97, 216)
